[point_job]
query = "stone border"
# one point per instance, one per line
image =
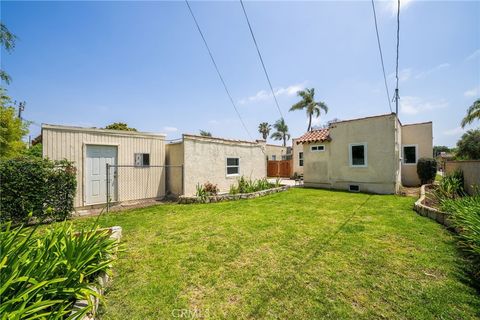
(230, 197)
(432, 213)
(102, 281)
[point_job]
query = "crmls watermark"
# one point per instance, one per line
(191, 313)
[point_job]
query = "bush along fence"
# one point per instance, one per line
(35, 190)
(230, 197)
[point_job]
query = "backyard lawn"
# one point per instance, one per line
(301, 254)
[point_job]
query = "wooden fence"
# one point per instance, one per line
(282, 168)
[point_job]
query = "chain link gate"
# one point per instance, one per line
(140, 186)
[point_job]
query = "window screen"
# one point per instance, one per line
(233, 166)
(300, 159)
(318, 148)
(358, 155)
(410, 154)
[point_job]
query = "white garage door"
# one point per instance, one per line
(96, 173)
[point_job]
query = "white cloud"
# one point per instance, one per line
(436, 68)
(414, 105)
(403, 75)
(474, 92)
(170, 129)
(392, 5)
(454, 131)
(474, 55)
(263, 95)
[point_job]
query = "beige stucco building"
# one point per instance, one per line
(297, 157)
(275, 152)
(215, 160)
(374, 154)
(90, 149)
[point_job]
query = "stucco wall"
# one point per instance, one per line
(60, 142)
(205, 160)
(296, 149)
(471, 172)
(278, 151)
(421, 135)
(174, 175)
(332, 169)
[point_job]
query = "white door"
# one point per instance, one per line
(96, 173)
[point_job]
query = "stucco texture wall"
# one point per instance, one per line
(471, 172)
(296, 149)
(332, 169)
(70, 143)
(205, 160)
(277, 151)
(421, 135)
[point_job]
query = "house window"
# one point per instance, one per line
(300, 159)
(284, 157)
(410, 154)
(358, 155)
(142, 159)
(354, 188)
(317, 148)
(274, 157)
(233, 166)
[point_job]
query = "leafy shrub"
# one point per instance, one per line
(245, 185)
(42, 275)
(450, 187)
(426, 169)
(44, 188)
(466, 217)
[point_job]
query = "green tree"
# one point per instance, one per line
(308, 103)
(473, 113)
(264, 128)
(119, 126)
(7, 41)
(468, 147)
(281, 132)
(34, 151)
(12, 129)
(205, 133)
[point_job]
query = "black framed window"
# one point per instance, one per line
(233, 166)
(409, 154)
(358, 155)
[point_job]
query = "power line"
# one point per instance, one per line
(218, 71)
(261, 59)
(381, 56)
(397, 97)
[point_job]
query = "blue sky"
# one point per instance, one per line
(93, 63)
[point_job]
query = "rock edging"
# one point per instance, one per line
(432, 213)
(230, 197)
(102, 280)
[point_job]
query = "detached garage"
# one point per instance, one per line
(137, 158)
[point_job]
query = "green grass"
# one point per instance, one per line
(301, 254)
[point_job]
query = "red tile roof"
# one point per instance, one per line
(319, 135)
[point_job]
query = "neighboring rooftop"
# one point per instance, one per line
(319, 135)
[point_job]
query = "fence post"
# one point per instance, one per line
(108, 186)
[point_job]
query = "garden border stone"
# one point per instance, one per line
(230, 197)
(432, 213)
(102, 281)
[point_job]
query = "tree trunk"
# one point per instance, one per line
(284, 141)
(309, 122)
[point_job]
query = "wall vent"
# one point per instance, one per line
(354, 188)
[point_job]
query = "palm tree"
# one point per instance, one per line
(473, 113)
(205, 133)
(264, 128)
(7, 41)
(310, 105)
(282, 131)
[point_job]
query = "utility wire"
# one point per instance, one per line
(218, 71)
(261, 59)
(397, 97)
(381, 56)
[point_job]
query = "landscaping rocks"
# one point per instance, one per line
(432, 213)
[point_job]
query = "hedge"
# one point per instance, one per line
(34, 190)
(426, 169)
